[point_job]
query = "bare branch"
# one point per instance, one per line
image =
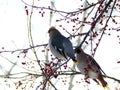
(59, 11)
(12, 51)
(95, 22)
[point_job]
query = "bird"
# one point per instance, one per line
(60, 46)
(89, 67)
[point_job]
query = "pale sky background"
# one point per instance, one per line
(13, 35)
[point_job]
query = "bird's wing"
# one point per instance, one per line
(95, 63)
(61, 51)
(58, 45)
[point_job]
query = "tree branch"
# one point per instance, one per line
(95, 22)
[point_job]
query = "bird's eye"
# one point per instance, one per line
(78, 50)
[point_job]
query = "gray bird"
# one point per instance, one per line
(89, 67)
(60, 46)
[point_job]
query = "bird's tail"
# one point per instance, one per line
(103, 82)
(75, 61)
(73, 58)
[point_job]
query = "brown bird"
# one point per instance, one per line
(89, 67)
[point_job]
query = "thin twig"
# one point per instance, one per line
(95, 22)
(105, 27)
(53, 85)
(31, 47)
(59, 11)
(12, 51)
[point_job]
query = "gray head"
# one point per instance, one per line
(78, 50)
(53, 31)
